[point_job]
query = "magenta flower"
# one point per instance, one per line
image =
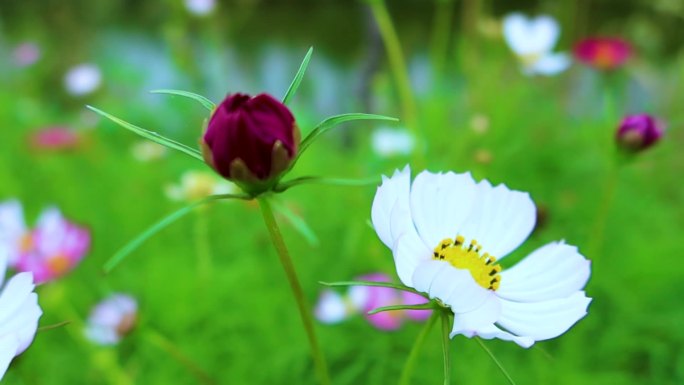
(250, 140)
(50, 250)
(603, 53)
(639, 132)
(112, 319)
(55, 138)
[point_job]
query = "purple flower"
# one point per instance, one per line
(112, 319)
(250, 140)
(55, 138)
(639, 132)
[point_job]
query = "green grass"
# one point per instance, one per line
(240, 324)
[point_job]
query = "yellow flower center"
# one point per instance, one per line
(482, 267)
(58, 264)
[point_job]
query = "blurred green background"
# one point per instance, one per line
(550, 136)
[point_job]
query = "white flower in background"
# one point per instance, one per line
(19, 314)
(147, 151)
(196, 185)
(200, 7)
(392, 141)
(82, 79)
(446, 232)
(332, 307)
(112, 319)
(532, 40)
(15, 237)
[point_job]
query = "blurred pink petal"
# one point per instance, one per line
(55, 138)
(25, 54)
(602, 52)
(112, 319)
(57, 247)
(408, 298)
(376, 297)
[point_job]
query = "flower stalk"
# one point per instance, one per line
(295, 286)
(406, 373)
(445, 347)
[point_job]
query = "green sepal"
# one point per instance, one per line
(132, 245)
(282, 186)
(423, 306)
(151, 135)
(297, 222)
(372, 283)
(208, 104)
(333, 121)
(292, 89)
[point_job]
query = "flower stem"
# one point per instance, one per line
(302, 306)
(399, 71)
(177, 354)
(598, 233)
(498, 364)
(406, 373)
(440, 34)
(445, 347)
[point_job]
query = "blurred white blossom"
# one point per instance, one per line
(82, 79)
(532, 40)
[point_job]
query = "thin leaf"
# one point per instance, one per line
(151, 135)
(491, 355)
(323, 180)
(333, 121)
(297, 222)
(131, 246)
(208, 104)
(298, 77)
(53, 326)
(371, 283)
(422, 306)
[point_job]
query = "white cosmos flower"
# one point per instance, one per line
(444, 231)
(200, 7)
(532, 40)
(19, 314)
(82, 79)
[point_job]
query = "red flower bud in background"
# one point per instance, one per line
(603, 53)
(250, 140)
(639, 132)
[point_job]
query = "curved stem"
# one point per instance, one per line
(598, 234)
(406, 373)
(445, 347)
(399, 71)
(302, 305)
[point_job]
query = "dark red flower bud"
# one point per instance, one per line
(639, 132)
(250, 140)
(603, 53)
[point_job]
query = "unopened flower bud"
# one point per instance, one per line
(639, 132)
(251, 140)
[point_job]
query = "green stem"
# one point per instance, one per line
(440, 34)
(406, 373)
(598, 234)
(498, 364)
(175, 352)
(302, 305)
(445, 347)
(399, 71)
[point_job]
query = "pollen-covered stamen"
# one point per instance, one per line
(482, 267)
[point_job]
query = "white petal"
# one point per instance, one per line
(4, 259)
(409, 251)
(501, 219)
(543, 320)
(530, 36)
(330, 308)
(393, 192)
(551, 64)
(440, 203)
(8, 347)
(486, 313)
(491, 331)
(455, 287)
(13, 296)
(555, 270)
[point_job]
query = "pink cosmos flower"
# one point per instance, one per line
(112, 319)
(603, 53)
(50, 250)
(26, 54)
(55, 138)
(334, 308)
